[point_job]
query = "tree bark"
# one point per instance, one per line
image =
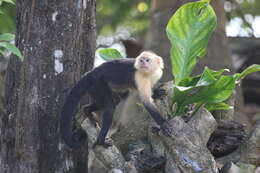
(57, 39)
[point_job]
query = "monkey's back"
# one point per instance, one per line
(118, 73)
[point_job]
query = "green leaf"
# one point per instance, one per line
(219, 91)
(192, 85)
(210, 86)
(189, 30)
(206, 78)
(1, 52)
(193, 81)
(12, 49)
(189, 81)
(179, 96)
(1, 12)
(109, 54)
(251, 69)
(217, 106)
(8, 1)
(6, 37)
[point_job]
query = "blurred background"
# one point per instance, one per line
(134, 25)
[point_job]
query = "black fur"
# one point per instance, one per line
(97, 83)
(74, 139)
(118, 72)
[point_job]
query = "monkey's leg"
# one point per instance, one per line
(106, 124)
(88, 109)
(103, 97)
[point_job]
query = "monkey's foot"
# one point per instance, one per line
(105, 144)
(155, 129)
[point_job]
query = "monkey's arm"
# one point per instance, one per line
(163, 123)
(145, 92)
(150, 107)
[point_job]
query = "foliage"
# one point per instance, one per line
(235, 7)
(7, 24)
(7, 16)
(244, 13)
(113, 14)
(6, 45)
(7, 1)
(109, 54)
(189, 30)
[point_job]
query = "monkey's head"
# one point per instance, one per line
(148, 62)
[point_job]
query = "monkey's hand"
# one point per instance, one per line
(159, 92)
(166, 129)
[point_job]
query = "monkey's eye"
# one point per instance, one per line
(141, 60)
(147, 60)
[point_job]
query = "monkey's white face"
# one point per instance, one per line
(148, 62)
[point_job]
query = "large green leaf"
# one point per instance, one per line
(251, 69)
(193, 84)
(6, 37)
(188, 86)
(219, 91)
(200, 88)
(210, 88)
(193, 81)
(189, 30)
(12, 49)
(109, 54)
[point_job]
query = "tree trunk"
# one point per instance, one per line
(57, 39)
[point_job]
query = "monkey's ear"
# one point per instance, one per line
(136, 65)
(160, 62)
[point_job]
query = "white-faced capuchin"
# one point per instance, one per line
(120, 75)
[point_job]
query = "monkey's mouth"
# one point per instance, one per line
(144, 66)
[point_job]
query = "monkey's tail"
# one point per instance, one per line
(77, 138)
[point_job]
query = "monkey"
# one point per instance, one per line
(122, 75)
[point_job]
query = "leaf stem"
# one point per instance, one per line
(198, 106)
